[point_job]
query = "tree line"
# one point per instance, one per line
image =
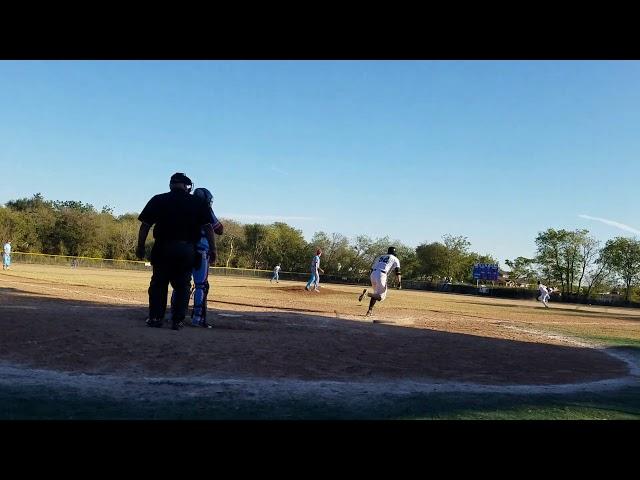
(573, 261)
(578, 264)
(74, 228)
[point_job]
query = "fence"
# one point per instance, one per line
(79, 262)
(460, 288)
(71, 261)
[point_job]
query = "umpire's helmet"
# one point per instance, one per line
(180, 177)
(205, 194)
(391, 250)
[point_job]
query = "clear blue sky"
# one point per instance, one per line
(495, 151)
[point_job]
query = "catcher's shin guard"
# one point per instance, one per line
(201, 290)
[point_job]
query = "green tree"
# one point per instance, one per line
(232, 244)
(456, 259)
(589, 253)
(560, 255)
(432, 260)
(522, 270)
(255, 236)
(285, 245)
(623, 255)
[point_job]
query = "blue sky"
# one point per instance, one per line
(493, 150)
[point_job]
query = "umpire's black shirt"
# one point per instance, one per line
(176, 216)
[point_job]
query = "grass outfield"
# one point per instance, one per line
(463, 318)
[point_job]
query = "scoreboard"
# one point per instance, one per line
(485, 271)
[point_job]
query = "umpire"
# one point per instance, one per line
(178, 218)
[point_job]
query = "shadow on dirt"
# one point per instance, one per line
(95, 337)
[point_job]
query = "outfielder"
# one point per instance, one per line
(315, 276)
(544, 294)
(379, 272)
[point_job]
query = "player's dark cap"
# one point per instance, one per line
(180, 177)
(391, 250)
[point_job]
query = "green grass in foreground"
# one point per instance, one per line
(33, 403)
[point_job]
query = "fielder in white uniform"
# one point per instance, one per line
(544, 294)
(379, 273)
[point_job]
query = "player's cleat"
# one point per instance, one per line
(306, 288)
(316, 290)
(200, 322)
(364, 292)
(154, 322)
(369, 313)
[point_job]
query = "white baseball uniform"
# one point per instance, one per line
(379, 271)
(544, 293)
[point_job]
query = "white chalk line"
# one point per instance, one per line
(78, 292)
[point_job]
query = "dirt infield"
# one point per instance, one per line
(92, 321)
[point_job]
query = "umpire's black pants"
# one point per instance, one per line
(172, 263)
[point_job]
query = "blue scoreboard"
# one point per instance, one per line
(485, 271)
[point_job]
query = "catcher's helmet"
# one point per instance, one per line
(205, 194)
(391, 250)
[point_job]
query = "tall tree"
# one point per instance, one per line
(285, 245)
(456, 259)
(589, 252)
(623, 255)
(559, 253)
(597, 274)
(432, 260)
(231, 245)
(255, 235)
(522, 268)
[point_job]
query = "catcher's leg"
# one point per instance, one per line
(200, 277)
(204, 305)
(198, 303)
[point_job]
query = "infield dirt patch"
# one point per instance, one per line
(60, 320)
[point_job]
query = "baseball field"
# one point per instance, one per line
(74, 345)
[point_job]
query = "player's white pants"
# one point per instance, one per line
(544, 298)
(379, 283)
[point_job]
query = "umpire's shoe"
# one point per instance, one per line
(176, 324)
(154, 322)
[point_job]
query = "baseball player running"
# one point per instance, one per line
(379, 273)
(544, 294)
